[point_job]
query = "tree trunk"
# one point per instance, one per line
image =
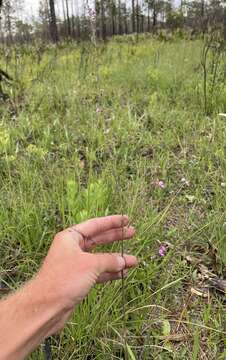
(203, 17)
(133, 17)
(142, 23)
(68, 19)
(103, 24)
(225, 24)
(78, 28)
(137, 16)
(119, 18)
(72, 20)
(126, 26)
(125, 20)
(154, 17)
(203, 8)
(64, 22)
(149, 28)
(113, 18)
(53, 25)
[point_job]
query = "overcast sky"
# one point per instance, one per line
(31, 6)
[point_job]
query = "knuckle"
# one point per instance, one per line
(115, 221)
(96, 224)
(96, 263)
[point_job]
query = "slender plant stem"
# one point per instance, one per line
(123, 294)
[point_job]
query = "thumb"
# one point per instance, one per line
(114, 262)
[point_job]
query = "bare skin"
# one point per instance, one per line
(44, 305)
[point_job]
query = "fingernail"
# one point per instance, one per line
(121, 263)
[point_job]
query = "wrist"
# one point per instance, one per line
(36, 312)
(52, 300)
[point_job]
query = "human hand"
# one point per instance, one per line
(44, 304)
(71, 271)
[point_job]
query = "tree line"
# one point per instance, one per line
(101, 19)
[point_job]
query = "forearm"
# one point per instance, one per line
(28, 317)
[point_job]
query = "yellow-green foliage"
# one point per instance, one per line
(4, 139)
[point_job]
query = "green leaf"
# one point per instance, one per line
(190, 198)
(196, 346)
(130, 352)
(166, 327)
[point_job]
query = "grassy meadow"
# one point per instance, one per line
(120, 128)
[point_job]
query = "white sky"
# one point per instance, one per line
(31, 7)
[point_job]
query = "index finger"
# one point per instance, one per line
(98, 225)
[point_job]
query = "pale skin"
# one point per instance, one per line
(43, 306)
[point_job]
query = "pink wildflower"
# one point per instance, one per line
(161, 184)
(162, 250)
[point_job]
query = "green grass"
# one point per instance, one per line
(88, 132)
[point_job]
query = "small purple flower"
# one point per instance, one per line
(162, 250)
(161, 184)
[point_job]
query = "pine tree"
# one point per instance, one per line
(53, 25)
